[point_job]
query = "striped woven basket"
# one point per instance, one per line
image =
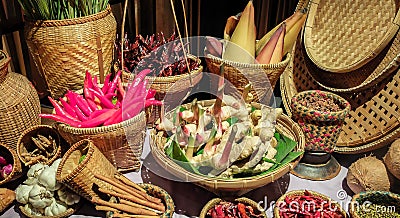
(238, 186)
(64, 49)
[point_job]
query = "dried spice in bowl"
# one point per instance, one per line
(239, 208)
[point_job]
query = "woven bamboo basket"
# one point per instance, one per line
(121, 143)
(7, 197)
(321, 128)
(364, 54)
(373, 121)
(157, 192)
(246, 201)
(67, 213)
(238, 186)
(64, 49)
(240, 73)
(11, 157)
(79, 177)
(20, 105)
(387, 201)
(25, 143)
(332, 204)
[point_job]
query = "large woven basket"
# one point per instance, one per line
(237, 186)
(373, 121)
(244, 200)
(11, 157)
(121, 143)
(19, 105)
(239, 74)
(387, 201)
(64, 49)
(364, 54)
(79, 176)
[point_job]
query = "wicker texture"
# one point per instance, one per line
(321, 128)
(241, 74)
(11, 157)
(121, 143)
(281, 201)
(25, 143)
(7, 197)
(237, 186)
(79, 177)
(19, 104)
(64, 49)
(383, 198)
(340, 45)
(373, 120)
(243, 200)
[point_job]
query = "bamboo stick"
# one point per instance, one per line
(143, 192)
(106, 208)
(119, 185)
(138, 205)
(123, 207)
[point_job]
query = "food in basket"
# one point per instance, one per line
(368, 174)
(41, 195)
(392, 159)
(225, 141)
(234, 210)
(163, 56)
(271, 48)
(45, 148)
(307, 204)
(104, 106)
(320, 103)
(7, 197)
(5, 168)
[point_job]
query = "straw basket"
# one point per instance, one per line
(11, 157)
(239, 74)
(386, 201)
(20, 105)
(364, 54)
(243, 200)
(321, 128)
(373, 120)
(332, 204)
(64, 49)
(25, 143)
(121, 143)
(237, 186)
(67, 213)
(79, 176)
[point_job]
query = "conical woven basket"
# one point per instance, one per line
(237, 186)
(11, 157)
(64, 49)
(19, 104)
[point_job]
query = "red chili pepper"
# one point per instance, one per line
(150, 102)
(106, 83)
(132, 88)
(99, 120)
(96, 86)
(115, 118)
(68, 108)
(60, 111)
(113, 84)
(80, 114)
(59, 118)
(219, 211)
(120, 87)
(83, 105)
(92, 105)
(242, 210)
(86, 85)
(104, 101)
(97, 113)
(151, 93)
(71, 98)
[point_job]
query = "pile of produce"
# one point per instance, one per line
(270, 49)
(41, 195)
(45, 148)
(103, 106)
(5, 168)
(226, 141)
(308, 205)
(164, 56)
(234, 210)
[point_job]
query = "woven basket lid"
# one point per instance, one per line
(374, 116)
(341, 35)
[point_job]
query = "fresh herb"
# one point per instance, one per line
(178, 156)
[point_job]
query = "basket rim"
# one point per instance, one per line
(366, 57)
(71, 21)
(216, 201)
(279, 65)
(16, 165)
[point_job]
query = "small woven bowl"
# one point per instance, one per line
(246, 201)
(67, 213)
(321, 128)
(11, 157)
(25, 143)
(329, 201)
(386, 200)
(160, 193)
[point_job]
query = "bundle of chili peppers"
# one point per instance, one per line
(103, 106)
(232, 210)
(164, 56)
(308, 206)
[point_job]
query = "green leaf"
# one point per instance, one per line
(253, 108)
(201, 151)
(181, 109)
(180, 158)
(269, 160)
(277, 136)
(232, 120)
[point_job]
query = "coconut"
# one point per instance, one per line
(368, 174)
(392, 159)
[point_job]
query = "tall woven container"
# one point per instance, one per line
(19, 105)
(64, 49)
(121, 143)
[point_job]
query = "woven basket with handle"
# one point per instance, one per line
(19, 105)
(64, 49)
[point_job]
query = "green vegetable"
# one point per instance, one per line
(82, 158)
(232, 120)
(180, 158)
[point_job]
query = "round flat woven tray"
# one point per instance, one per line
(374, 117)
(341, 36)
